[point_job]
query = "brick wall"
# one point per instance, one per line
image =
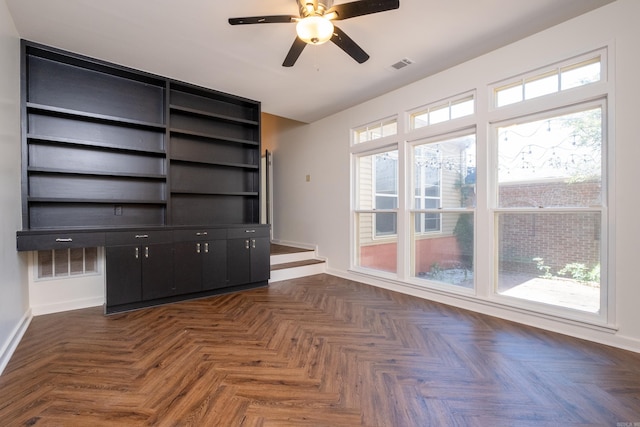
(558, 238)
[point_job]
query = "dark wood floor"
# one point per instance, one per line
(317, 351)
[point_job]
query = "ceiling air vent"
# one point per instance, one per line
(402, 63)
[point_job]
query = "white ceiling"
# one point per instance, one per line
(191, 40)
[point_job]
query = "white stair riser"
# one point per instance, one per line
(298, 256)
(296, 272)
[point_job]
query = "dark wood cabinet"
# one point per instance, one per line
(248, 255)
(200, 259)
(124, 275)
(139, 266)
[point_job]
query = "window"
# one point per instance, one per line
(443, 209)
(443, 111)
(550, 208)
(375, 130)
(67, 262)
(568, 75)
(386, 191)
(376, 214)
(427, 161)
(541, 220)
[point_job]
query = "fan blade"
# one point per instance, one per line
(296, 49)
(345, 43)
(361, 7)
(273, 19)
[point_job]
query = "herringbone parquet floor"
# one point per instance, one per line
(316, 351)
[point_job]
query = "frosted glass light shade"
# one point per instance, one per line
(314, 29)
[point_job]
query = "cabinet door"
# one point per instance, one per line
(214, 264)
(260, 259)
(239, 261)
(124, 272)
(157, 271)
(188, 267)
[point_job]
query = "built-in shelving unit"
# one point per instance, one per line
(107, 146)
(94, 152)
(214, 157)
(165, 175)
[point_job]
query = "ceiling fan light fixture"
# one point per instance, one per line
(314, 29)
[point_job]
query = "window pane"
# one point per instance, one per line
(386, 174)
(419, 120)
(554, 162)
(375, 130)
(581, 74)
(448, 256)
(541, 85)
(444, 173)
(462, 108)
(361, 136)
(551, 258)
(508, 95)
(390, 128)
(371, 253)
(438, 114)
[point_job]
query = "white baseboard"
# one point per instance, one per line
(11, 344)
(39, 310)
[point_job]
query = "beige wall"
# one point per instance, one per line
(271, 127)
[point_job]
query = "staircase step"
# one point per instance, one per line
(289, 262)
(296, 264)
(281, 254)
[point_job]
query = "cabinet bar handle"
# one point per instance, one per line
(137, 253)
(246, 244)
(203, 233)
(249, 231)
(198, 248)
(206, 248)
(61, 240)
(253, 243)
(142, 236)
(146, 251)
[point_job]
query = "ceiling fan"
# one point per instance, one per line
(314, 24)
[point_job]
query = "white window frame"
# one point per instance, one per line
(487, 115)
(605, 314)
(370, 128)
(557, 68)
(444, 105)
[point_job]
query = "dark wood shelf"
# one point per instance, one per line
(91, 144)
(122, 121)
(96, 201)
(212, 136)
(225, 164)
(208, 114)
(95, 173)
(215, 193)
